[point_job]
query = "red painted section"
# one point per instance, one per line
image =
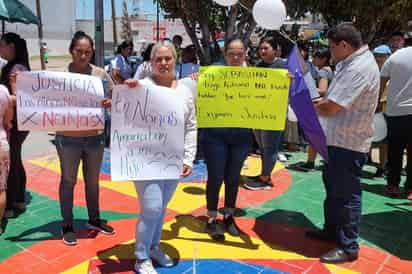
(46, 182)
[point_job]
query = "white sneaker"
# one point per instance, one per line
(282, 157)
(144, 267)
(161, 258)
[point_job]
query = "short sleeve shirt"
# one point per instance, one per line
(120, 63)
(355, 87)
(398, 68)
(325, 73)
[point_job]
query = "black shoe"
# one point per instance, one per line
(380, 173)
(321, 235)
(304, 166)
(101, 226)
(231, 226)
(257, 184)
(338, 255)
(215, 231)
(253, 177)
(68, 235)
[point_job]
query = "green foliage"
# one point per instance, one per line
(376, 19)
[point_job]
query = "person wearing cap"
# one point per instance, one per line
(381, 54)
(398, 69)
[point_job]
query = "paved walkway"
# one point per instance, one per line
(273, 222)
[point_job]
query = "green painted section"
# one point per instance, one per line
(386, 222)
(42, 222)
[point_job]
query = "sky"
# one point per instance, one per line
(85, 8)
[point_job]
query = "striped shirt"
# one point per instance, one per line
(356, 89)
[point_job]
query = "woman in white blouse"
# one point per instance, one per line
(154, 195)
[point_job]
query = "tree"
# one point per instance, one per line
(204, 17)
(376, 19)
(126, 28)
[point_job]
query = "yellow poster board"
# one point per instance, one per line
(242, 97)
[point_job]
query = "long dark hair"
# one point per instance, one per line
(21, 56)
(124, 45)
(274, 43)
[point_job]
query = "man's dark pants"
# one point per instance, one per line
(343, 203)
(399, 139)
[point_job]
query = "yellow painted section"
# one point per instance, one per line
(252, 167)
(188, 196)
(254, 164)
(334, 269)
(79, 269)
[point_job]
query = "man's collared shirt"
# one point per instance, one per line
(356, 89)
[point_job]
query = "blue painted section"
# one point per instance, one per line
(199, 169)
(218, 266)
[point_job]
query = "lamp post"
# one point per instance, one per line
(157, 20)
(99, 32)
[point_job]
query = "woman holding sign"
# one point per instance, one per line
(225, 150)
(14, 49)
(87, 146)
(269, 141)
(154, 195)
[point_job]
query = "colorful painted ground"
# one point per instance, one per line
(273, 221)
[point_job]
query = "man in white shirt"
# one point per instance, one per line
(346, 113)
(398, 69)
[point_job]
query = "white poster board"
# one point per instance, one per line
(59, 101)
(147, 133)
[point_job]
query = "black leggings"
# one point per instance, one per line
(16, 182)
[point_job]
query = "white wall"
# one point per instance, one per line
(58, 18)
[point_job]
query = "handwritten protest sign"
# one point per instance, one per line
(242, 97)
(53, 101)
(147, 133)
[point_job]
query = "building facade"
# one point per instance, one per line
(58, 18)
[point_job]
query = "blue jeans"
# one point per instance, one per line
(225, 150)
(343, 203)
(71, 150)
(153, 198)
(269, 142)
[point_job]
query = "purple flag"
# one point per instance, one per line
(302, 105)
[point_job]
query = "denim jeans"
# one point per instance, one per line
(399, 139)
(269, 142)
(225, 150)
(343, 203)
(16, 182)
(71, 150)
(153, 198)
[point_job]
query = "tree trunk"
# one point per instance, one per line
(191, 31)
(40, 33)
(114, 25)
(231, 22)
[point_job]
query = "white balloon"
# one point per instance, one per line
(269, 14)
(226, 2)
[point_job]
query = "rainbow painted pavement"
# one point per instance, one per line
(273, 221)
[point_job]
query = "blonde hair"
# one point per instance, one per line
(163, 44)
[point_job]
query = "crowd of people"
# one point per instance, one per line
(353, 83)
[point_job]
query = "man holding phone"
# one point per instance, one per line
(346, 114)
